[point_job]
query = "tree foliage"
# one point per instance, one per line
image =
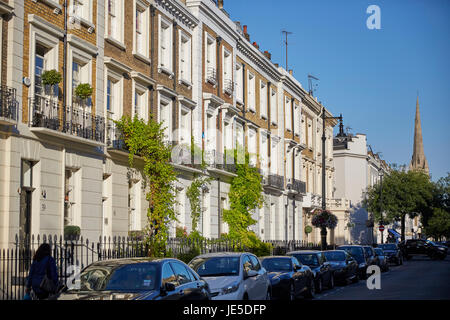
(404, 193)
(439, 224)
(146, 140)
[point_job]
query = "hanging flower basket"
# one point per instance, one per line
(324, 219)
(308, 229)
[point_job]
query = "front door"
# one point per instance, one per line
(25, 228)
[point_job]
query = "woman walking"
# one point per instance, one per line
(43, 277)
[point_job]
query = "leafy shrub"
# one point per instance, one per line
(83, 91)
(51, 77)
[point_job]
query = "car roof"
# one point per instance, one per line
(271, 257)
(343, 251)
(304, 251)
(222, 254)
(350, 245)
(125, 261)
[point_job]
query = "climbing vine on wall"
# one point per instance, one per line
(146, 140)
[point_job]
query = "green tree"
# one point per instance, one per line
(439, 224)
(404, 193)
(146, 140)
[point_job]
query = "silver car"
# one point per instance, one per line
(233, 276)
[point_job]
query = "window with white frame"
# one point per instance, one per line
(211, 143)
(252, 146)
(82, 9)
(141, 28)
(303, 129)
(263, 99)
(289, 153)
(239, 83)
(288, 113)
(140, 105)
(165, 116)
(165, 44)
(251, 92)
(114, 21)
(310, 133)
(273, 106)
(80, 73)
(72, 196)
(227, 72)
(297, 163)
(263, 152)
(134, 205)
(210, 58)
(185, 125)
(274, 156)
(185, 57)
(296, 119)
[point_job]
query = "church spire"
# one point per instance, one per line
(418, 161)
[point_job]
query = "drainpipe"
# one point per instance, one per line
(174, 54)
(218, 56)
(269, 111)
(219, 210)
(65, 67)
(152, 54)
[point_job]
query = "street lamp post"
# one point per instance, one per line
(381, 201)
(323, 231)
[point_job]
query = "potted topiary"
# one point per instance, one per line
(72, 233)
(50, 78)
(83, 91)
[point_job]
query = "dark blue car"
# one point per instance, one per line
(138, 279)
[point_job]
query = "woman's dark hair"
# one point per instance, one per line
(42, 252)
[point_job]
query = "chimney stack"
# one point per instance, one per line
(220, 4)
(276, 65)
(246, 35)
(268, 55)
(255, 45)
(290, 72)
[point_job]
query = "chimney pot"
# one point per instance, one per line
(245, 29)
(290, 72)
(220, 4)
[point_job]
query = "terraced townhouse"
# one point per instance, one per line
(184, 62)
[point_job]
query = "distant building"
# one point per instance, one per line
(418, 161)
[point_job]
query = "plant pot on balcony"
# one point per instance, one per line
(50, 80)
(72, 233)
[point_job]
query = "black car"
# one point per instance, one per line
(344, 267)
(418, 247)
(288, 277)
(382, 259)
(393, 253)
(372, 258)
(323, 273)
(138, 279)
(358, 253)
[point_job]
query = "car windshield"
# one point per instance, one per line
(356, 252)
(216, 266)
(128, 278)
(368, 250)
(277, 264)
(388, 246)
(334, 255)
(430, 242)
(379, 252)
(310, 259)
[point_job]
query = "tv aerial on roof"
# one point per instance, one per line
(312, 86)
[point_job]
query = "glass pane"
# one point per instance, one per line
(181, 272)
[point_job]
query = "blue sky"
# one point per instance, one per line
(370, 76)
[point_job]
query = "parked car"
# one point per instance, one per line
(358, 253)
(344, 266)
(372, 258)
(233, 276)
(420, 247)
(382, 259)
(393, 253)
(138, 279)
(323, 273)
(288, 277)
(443, 243)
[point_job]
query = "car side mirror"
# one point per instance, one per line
(250, 273)
(169, 287)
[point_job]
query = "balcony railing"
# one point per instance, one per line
(276, 181)
(221, 161)
(211, 75)
(296, 185)
(114, 137)
(9, 106)
(47, 113)
(229, 86)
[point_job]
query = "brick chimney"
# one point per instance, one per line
(246, 35)
(276, 65)
(220, 4)
(255, 45)
(268, 55)
(291, 72)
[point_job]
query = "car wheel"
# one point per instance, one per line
(331, 282)
(310, 294)
(319, 286)
(291, 292)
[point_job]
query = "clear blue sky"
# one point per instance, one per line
(370, 76)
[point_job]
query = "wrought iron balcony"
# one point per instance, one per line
(221, 161)
(211, 75)
(296, 186)
(114, 137)
(276, 181)
(9, 106)
(228, 86)
(73, 121)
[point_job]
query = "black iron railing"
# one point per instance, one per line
(9, 106)
(276, 181)
(74, 120)
(114, 138)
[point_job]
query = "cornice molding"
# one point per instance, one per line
(179, 12)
